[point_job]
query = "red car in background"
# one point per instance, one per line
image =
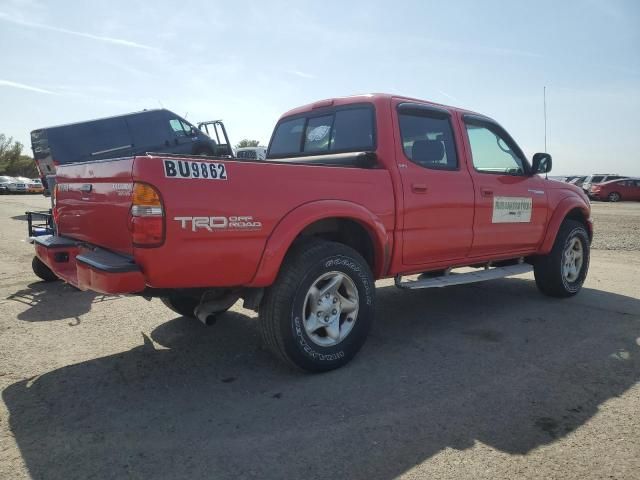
(616, 190)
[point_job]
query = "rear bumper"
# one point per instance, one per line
(88, 267)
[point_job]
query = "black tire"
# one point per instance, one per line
(282, 308)
(614, 197)
(42, 271)
(181, 304)
(548, 269)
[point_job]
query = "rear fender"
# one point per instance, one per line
(298, 219)
(561, 212)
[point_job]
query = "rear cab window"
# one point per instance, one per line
(337, 130)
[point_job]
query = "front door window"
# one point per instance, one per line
(492, 152)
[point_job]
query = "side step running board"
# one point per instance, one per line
(462, 278)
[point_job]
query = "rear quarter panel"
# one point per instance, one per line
(266, 192)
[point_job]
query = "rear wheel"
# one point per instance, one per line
(42, 271)
(318, 313)
(614, 197)
(562, 272)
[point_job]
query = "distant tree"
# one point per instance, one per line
(247, 143)
(12, 161)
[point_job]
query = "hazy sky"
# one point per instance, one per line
(248, 62)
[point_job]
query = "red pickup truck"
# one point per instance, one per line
(353, 190)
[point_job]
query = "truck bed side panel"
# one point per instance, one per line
(216, 230)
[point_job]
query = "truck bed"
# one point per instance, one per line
(215, 228)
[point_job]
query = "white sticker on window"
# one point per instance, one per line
(511, 210)
(318, 133)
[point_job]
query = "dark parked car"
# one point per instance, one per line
(122, 136)
(616, 190)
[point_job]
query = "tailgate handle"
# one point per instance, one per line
(86, 187)
(486, 192)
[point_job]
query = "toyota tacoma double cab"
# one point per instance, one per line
(353, 190)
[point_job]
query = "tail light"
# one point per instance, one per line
(54, 204)
(147, 216)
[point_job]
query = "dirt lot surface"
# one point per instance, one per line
(490, 380)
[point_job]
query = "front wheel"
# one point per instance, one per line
(614, 197)
(562, 271)
(319, 311)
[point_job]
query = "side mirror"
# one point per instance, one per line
(541, 163)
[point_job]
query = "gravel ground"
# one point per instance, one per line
(617, 226)
(484, 381)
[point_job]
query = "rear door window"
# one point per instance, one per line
(341, 130)
(428, 141)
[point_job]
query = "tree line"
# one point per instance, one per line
(13, 162)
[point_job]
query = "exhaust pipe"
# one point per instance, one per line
(208, 309)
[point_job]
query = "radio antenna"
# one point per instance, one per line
(544, 102)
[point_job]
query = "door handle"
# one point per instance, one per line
(419, 188)
(487, 192)
(166, 143)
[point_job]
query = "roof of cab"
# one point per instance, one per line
(370, 98)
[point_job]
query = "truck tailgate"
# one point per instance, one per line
(93, 201)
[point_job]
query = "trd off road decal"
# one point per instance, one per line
(511, 210)
(212, 224)
(194, 170)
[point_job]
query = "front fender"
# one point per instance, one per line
(561, 211)
(297, 220)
